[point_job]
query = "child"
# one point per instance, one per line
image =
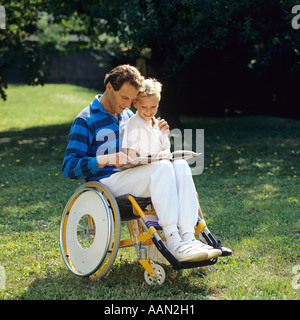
(143, 138)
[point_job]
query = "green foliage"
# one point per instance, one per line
(21, 18)
(25, 19)
(176, 30)
(245, 50)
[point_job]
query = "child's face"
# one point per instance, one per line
(147, 107)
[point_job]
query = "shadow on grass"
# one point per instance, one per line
(124, 281)
(22, 147)
(33, 189)
(33, 134)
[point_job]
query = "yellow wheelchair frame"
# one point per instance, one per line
(102, 214)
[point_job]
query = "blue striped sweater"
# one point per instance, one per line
(94, 132)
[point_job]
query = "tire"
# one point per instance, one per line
(90, 231)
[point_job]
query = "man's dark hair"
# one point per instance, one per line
(124, 73)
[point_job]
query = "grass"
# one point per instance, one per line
(249, 193)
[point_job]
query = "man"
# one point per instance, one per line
(93, 153)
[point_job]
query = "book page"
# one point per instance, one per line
(178, 154)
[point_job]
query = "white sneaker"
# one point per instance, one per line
(187, 252)
(212, 252)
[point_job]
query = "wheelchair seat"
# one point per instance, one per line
(125, 206)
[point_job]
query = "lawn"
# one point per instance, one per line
(249, 193)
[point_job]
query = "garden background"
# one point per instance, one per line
(228, 67)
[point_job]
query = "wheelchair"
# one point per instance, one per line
(90, 234)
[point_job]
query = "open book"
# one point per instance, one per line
(178, 154)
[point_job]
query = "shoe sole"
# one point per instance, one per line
(201, 256)
(211, 252)
(214, 253)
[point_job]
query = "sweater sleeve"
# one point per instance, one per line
(77, 164)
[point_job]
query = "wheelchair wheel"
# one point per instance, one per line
(160, 275)
(90, 231)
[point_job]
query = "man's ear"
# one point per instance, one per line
(109, 87)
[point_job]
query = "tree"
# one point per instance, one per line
(20, 21)
(218, 53)
(199, 49)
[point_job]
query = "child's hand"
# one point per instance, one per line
(163, 125)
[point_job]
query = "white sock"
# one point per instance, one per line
(173, 239)
(188, 236)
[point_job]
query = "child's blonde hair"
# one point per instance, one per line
(152, 87)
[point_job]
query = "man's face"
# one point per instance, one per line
(121, 99)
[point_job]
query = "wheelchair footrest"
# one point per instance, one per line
(177, 264)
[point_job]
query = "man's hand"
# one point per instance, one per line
(163, 126)
(115, 159)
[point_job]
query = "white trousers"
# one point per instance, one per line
(171, 188)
